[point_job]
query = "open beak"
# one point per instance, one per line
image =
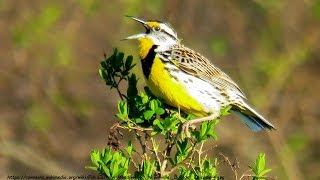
(141, 35)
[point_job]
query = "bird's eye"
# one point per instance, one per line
(156, 29)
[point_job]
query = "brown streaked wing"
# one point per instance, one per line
(193, 63)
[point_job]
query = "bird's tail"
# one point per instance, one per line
(251, 118)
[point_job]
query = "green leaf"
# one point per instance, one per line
(129, 148)
(114, 168)
(128, 64)
(148, 169)
(123, 108)
(119, 172)
(138, 120)
(189, 117)
(206, 164)
(106, 170)
(153, 104)
(118, 61)
(107, 156)
(210, 131)
(121, 116)
(225, 111)
(262, 173)
(127, 163)
(153, 133)
(145, 99)
(95, 156)
(103, 65)
(103, 75)
(182, 145)
(157, 124)
(148, 114)
(167, 122)
(259, 166)
(120, 56)
(124, 73)
(203, 130)
(260, 162)
(160, 111)
(132, 90)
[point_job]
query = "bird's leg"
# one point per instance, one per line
(187, 124)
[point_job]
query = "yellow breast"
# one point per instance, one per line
(165, 87)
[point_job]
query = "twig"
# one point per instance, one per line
(138, 136)
(117, 86)
(154, 150)
(245, 174)
(134, 163)
(190, 162)
(143, 147)
(135, 128)
(234, 166)
(170, 145)
(251, 176)
(166, 154)
(199, 155)
(177, 165)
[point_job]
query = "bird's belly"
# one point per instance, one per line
(182, 90)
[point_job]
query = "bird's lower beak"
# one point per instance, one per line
(137, 36)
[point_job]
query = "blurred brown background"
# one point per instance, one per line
(54, 108)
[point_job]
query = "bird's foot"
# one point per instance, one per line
(186, 125)
(186, 128)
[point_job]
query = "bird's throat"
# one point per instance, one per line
(144, 47)
(147, 55)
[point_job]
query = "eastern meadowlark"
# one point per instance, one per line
(187, 80)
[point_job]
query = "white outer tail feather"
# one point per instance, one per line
(252, 119)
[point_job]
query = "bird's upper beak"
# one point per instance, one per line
(141, 35)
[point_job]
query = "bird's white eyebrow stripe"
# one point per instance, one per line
(166, 29)
(169, 34)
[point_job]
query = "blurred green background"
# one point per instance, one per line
(54, 108)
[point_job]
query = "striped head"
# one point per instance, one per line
(157, 33)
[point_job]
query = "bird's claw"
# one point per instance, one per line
(185, 129)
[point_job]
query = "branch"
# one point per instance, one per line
(134, 128)
(252, 176)
(165, 173)
(234, 166)
(199, 155)
(167, 153)
(143, 146)
(154, 150)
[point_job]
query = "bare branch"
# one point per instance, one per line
(234, 166)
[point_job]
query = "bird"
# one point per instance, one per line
(185, 79)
